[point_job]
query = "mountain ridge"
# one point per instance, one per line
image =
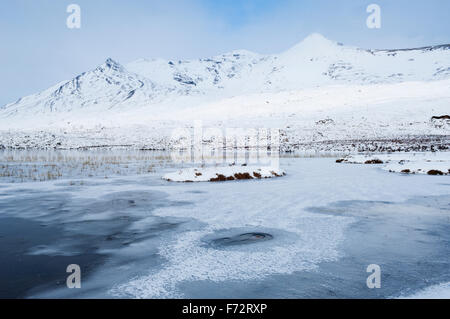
(315, 61)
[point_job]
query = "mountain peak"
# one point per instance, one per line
(315, 42)
(113, 65)
(316, 38)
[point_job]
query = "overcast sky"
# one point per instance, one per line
(38, 50)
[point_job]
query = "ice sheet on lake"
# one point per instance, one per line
(157, 234)
(441, 291)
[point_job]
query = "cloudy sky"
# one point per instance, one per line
(38, 50)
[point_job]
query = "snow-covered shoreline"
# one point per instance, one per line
(223, 173)
(437, 163)
(441, 291)
(112, 139)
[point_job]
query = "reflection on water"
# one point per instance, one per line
(44, 165)
(55, 229)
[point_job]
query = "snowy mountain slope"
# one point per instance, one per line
(315, 61)
(342, 118)
(203, 75)
(105, 87)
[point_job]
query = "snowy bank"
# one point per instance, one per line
(441, 291)
(437, 163)
(224, 173)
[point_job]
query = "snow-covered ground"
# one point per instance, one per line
(351, 118)
(441, 291)
(437, 163)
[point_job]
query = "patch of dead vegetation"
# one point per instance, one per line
(442, 117)
(222, 178)
(374, 161)
(435, 172)
(243, 176)
(275, 174)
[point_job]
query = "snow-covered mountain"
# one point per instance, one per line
(315, 61)
(106, 86)
(321, 95)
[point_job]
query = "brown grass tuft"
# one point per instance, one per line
(435, 172)
(257, 175)
(374, 161)
(243, 176)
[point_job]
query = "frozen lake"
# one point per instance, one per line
(310, 234)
